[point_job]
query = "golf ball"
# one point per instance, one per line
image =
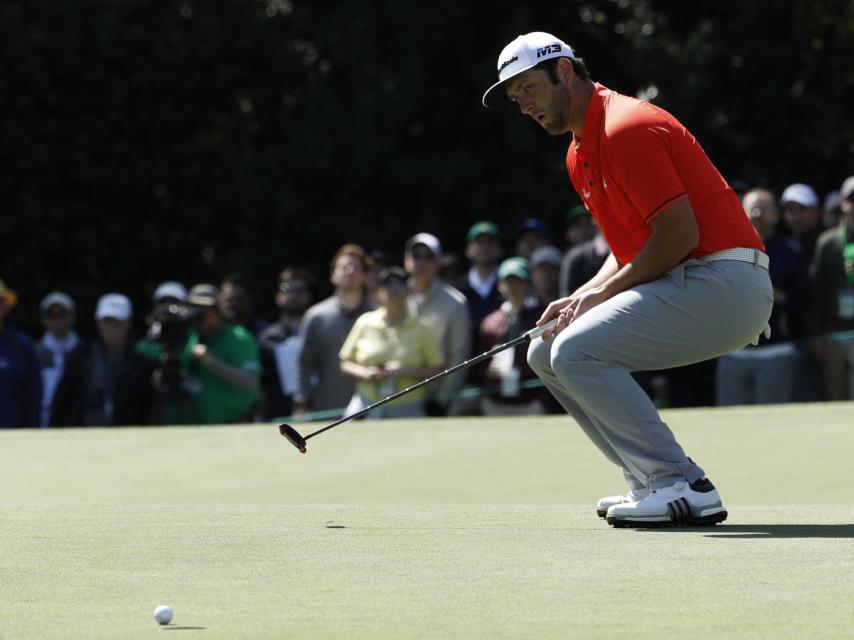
(163, 614)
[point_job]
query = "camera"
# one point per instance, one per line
(168, 327)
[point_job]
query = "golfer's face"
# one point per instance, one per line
(538, 97)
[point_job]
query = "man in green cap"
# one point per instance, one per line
(225, 362)
(484, 251)
(507, 371)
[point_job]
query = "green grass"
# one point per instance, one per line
(468, 528)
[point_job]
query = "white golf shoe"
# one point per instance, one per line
(697, 504)
(632, 496)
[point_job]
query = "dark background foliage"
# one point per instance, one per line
(144, 140)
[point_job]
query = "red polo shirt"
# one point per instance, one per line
(634, 161)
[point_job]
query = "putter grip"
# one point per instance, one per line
(536, 332)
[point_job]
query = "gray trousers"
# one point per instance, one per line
(699, 310)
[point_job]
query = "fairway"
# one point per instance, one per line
(439, 528)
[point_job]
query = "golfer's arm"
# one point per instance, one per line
(607, 271)
(675, 233)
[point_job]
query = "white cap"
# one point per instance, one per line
(57, 298)
(170, 289)
(428, 240)
(525, 52)
(113, 305)
(800, 193)
(846, 191)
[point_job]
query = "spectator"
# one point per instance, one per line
(763, 374)
(509, 369)
(452, 270)
(483, 249)
(445, 309)
(580, 227)
(379, 261)
(545, 274)
(389, 350)
(281, 344)
(169, 292)
(223, 362)
(166, 293)
(583, 261)
(802, 216)
(59, 339)
(533, 235)
(20, 381)
(106, 382)
(322, 385)
(831, 211)
(833, 279)
(238, 304)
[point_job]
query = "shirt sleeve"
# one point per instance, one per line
(641, 161)
(460, 330)
(430, 346)
(348, 349)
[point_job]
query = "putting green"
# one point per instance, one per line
(467, 528)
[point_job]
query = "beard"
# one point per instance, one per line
(556, 122)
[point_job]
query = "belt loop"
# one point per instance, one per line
(755, 257)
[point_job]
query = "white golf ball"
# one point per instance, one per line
(163, 614)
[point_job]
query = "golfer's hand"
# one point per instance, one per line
(553, 311)
(584, 303)
(566, 310)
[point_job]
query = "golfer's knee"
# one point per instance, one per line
(538, 356)
(567, 350)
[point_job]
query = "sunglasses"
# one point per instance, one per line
(422, 255)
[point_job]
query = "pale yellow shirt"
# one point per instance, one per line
(372, 343)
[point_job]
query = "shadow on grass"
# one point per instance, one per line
(178, 628)
(765, 531)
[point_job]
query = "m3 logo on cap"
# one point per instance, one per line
(544, 51)
(506, 62)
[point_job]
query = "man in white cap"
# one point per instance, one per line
(802, 215)
(59, 340)
(169, 292)
(444, 308)
(105, 383)
(683, 256)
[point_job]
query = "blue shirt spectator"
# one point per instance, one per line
(20, 375)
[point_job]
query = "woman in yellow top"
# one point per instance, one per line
(388, 350)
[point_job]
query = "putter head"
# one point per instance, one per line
(292, 436)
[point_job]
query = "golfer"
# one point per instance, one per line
(686, 280)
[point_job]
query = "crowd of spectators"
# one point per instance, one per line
(208, 358)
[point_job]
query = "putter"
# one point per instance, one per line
(299, 441)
